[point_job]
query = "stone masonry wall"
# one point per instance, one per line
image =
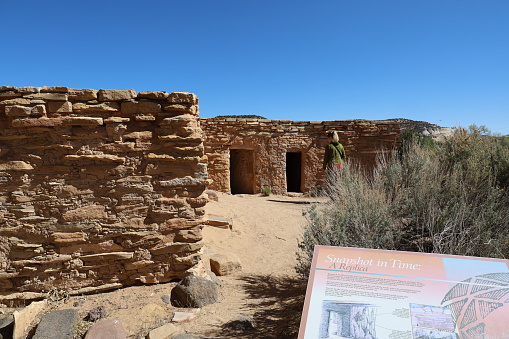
(98, 189)
(270, 140)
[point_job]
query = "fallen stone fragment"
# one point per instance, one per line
(225, 263)
(216, 221)
(106, 329)
(183, 317)
(166, 331)
(194, 292)
(57, 325)
(97, 313)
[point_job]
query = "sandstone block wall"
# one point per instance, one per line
(98, 188)
(264, 147)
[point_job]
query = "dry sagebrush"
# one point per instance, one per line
(446, 197)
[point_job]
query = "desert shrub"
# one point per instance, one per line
(446, 197)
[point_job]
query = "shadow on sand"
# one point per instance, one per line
(278, 301)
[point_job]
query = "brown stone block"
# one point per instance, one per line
(38, 111)
(47, 96)
(183, 98)
(130, 266)
(82, 94)
(116, 95)
(15, 102)
(29, 89)
(144, 135)
(193, 235)
(177, 247)
(80, 107)
(152, 157)
(18, 111)
(116, 120)
(118, 147)
(54, 89)
(93, 158)
(54, 122)
(180, 108)
(102, 247)
(59, 107)
(107, 256)
(9, 95)
(61, 238)
(180, 120)
(160, 95)
(143, 107)
(179, 224)
(20, 166)
(93, 212)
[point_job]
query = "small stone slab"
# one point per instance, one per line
(166, 331)
(57, 325)
(106, 329)
(217, 221)
(225, 263)
(183, 317)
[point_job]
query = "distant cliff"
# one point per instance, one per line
(425, 128)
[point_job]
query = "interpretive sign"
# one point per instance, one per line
(378, 294)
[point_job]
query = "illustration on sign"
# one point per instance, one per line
(378, 294)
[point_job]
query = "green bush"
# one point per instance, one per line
(445, 197)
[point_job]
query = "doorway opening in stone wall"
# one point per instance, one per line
(242, 171)
(294, 171)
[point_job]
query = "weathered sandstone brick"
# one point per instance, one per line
(54, 89)
(144, 107)
(47, 96)
(82, 94)
(59, 107)
(160, 95)
(102, 107)
(116, 95)
(183, 98)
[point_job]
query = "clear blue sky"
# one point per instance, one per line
(441, 61)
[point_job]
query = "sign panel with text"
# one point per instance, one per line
(378, 294)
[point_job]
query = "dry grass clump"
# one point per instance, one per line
(446, 197)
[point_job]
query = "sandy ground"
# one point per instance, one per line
(264, 236)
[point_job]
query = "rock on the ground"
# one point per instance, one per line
(183, 317)
(97, 313)
(107, 329)
(242, 323)
(166, 331)
(217, 221)
(225, 263)
(23, 319)
(58, 324)
(194, 292)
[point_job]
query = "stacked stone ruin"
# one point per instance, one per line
(101, 189)
(265, 145)
(98, 189)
